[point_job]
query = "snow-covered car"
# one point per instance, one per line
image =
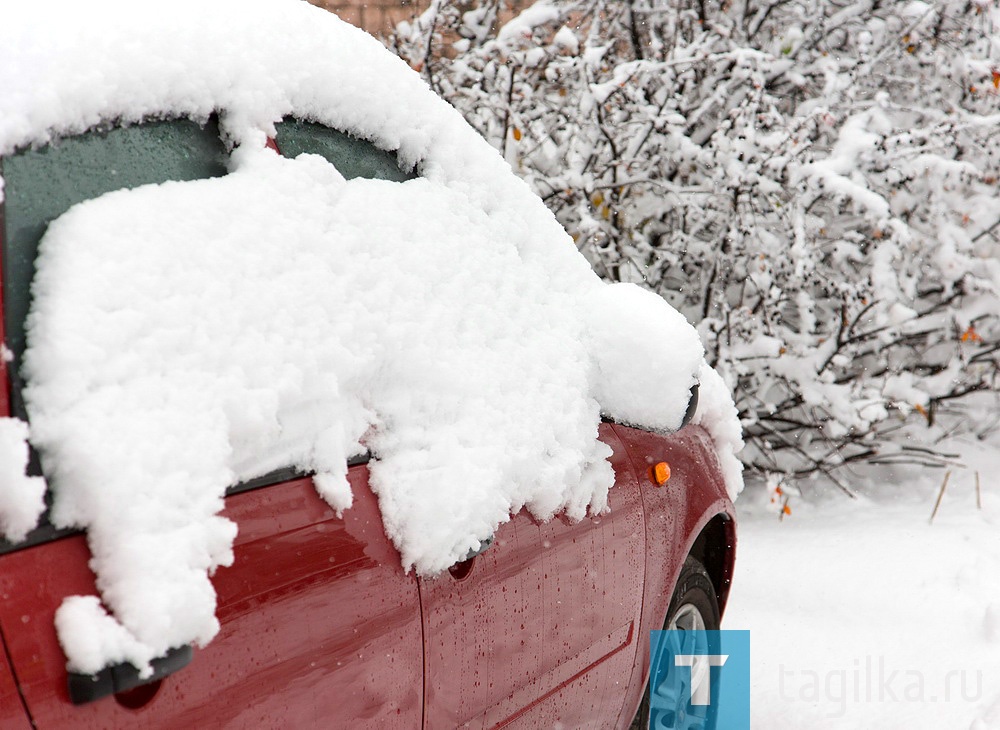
(330, 422)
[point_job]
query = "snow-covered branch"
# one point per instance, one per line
(814, 182)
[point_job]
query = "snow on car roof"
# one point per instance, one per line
(179, 332)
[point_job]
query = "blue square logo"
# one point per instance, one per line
(699, 679)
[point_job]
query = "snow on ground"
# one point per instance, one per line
(863, 615)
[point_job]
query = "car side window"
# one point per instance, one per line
(41, 184)
(353, 157)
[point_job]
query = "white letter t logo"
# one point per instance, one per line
(701, 676)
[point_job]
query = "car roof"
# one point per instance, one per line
(254, 62)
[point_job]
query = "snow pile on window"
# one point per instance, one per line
(187, 336)
(22, 498)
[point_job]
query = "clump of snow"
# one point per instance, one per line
(567, 40)
(632, 329)
(187, 336)
(283, 311)
(22, 498)
(718, 415)
(92, 639)
(522, 26)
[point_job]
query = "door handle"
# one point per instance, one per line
(483, 547)
(85, 688)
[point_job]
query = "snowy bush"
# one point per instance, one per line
(814, 182)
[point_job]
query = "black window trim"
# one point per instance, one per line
(47, 532)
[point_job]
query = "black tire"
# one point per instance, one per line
(694, 599)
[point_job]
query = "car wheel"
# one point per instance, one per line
(693, 607)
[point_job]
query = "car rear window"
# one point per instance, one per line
(41, 184)
(353, 157)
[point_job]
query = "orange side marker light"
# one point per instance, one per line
(661, 473)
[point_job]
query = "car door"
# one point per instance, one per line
(540, 629)
(319, 624)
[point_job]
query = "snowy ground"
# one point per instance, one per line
(864, 615)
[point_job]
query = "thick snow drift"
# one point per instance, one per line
(186, 336)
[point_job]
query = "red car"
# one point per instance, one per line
(545, 626)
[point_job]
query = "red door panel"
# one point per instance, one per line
(544, 624)
(320, 626)
(675, 514)
(12, 711)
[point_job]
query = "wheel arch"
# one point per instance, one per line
(715, 548)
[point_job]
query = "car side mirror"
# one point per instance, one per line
(692, 406)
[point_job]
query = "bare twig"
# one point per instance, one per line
(987, 231)
(944, 485)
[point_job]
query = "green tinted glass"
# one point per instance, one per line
(351, 156)
(41, 184)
